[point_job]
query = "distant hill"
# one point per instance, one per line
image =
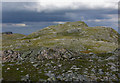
(76, 36)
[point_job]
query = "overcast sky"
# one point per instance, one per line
(94, 12)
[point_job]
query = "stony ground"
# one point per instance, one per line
(65, 52)
(80, 68)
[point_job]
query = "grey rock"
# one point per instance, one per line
(35, 65)
(26, 78)
(101, 71)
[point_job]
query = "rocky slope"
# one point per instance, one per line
(76, 36)
(90, 53)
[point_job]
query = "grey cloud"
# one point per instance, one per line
(19, 12)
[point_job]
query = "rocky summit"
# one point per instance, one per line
(72, 51)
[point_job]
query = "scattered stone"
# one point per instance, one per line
(8, 68)
(17, 69)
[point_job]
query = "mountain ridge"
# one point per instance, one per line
(76, 35)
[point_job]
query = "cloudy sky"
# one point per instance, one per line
(19, 15)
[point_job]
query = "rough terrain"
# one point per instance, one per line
(65, 52)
